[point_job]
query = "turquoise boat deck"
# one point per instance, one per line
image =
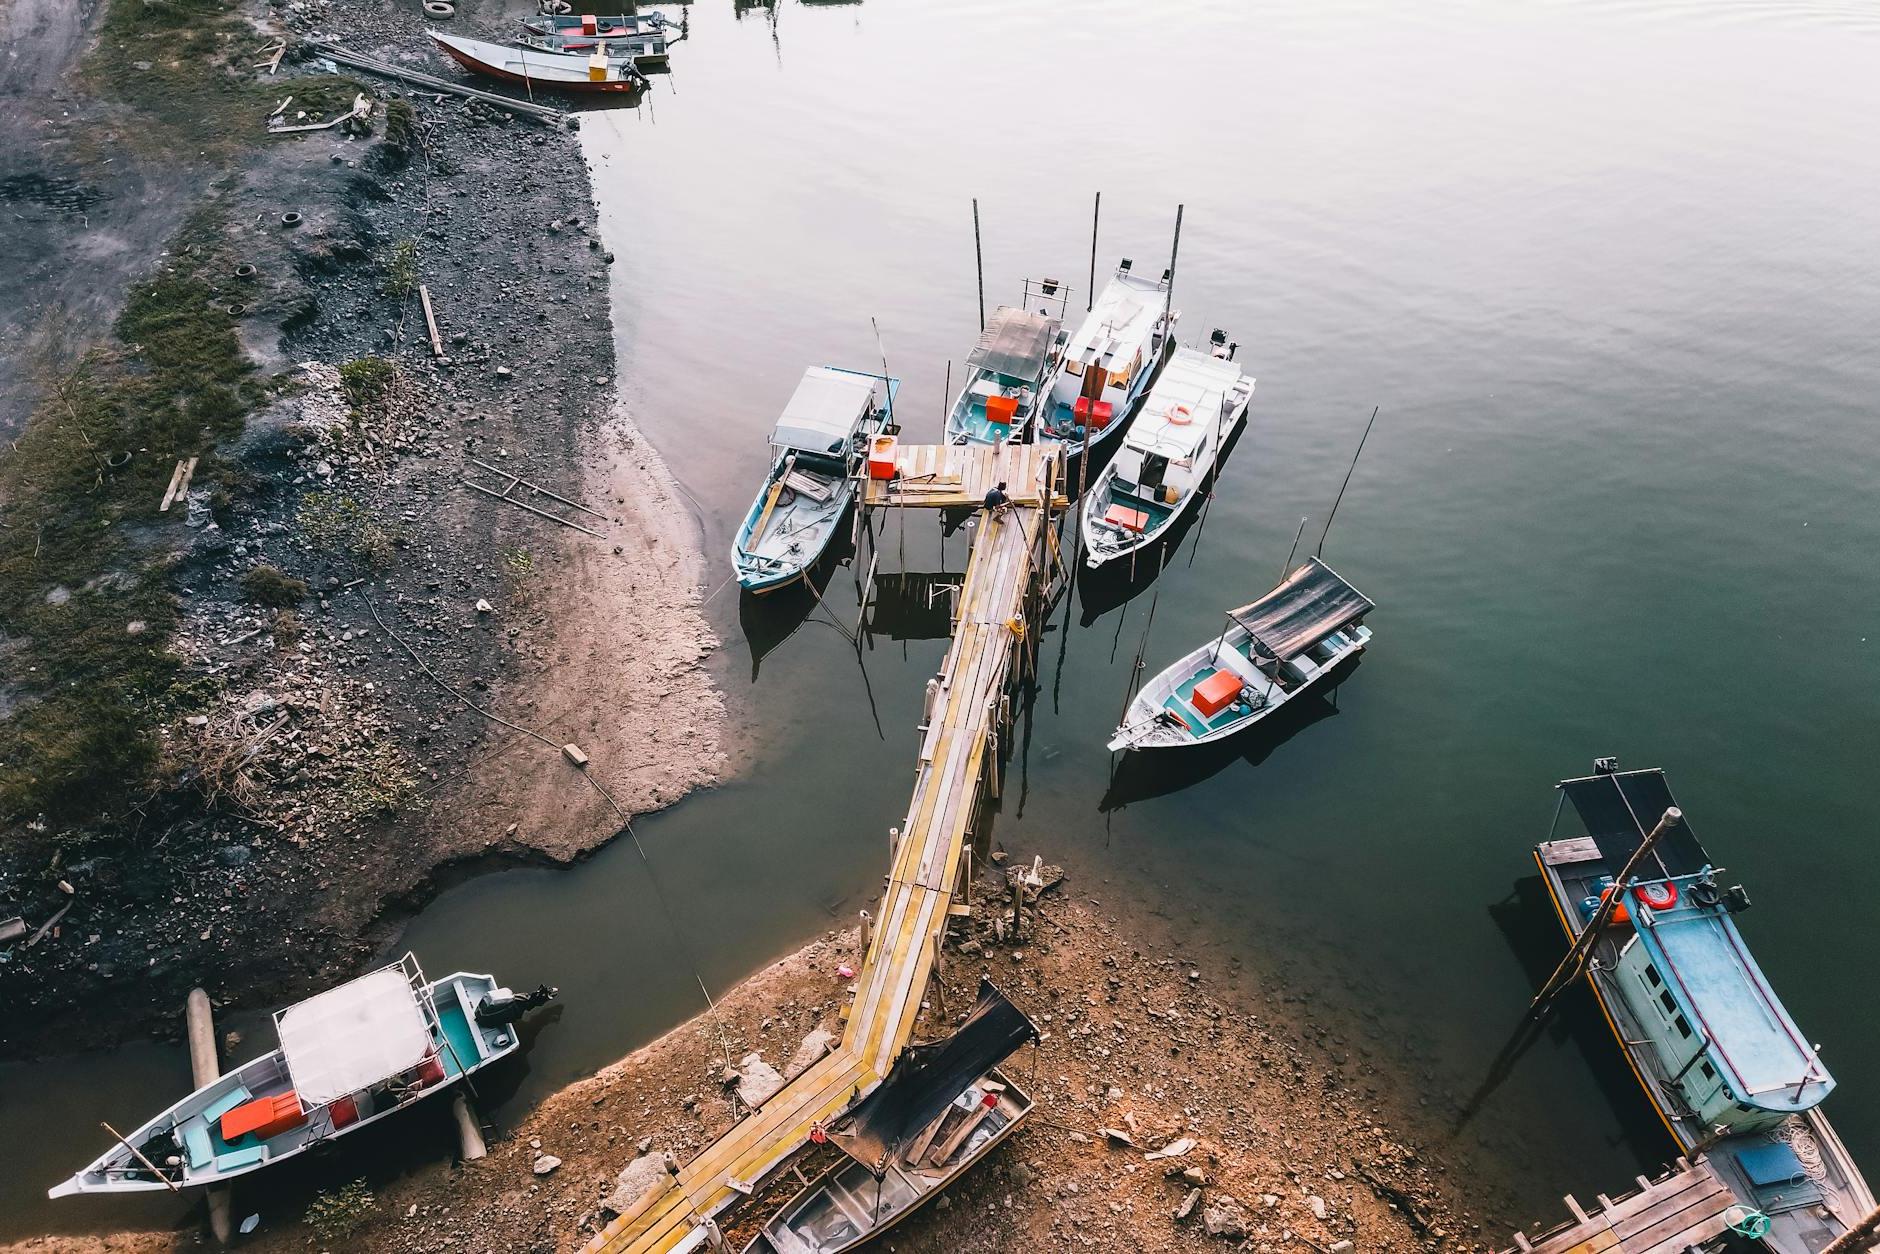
(459, 1034)
(1180, 705)
(1158, 513)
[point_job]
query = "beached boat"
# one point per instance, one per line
(348, 1057)
(1008, 376)
(820, 442)
(943, 1107)
(1268, 653)
(1168, 456)
(643, 37)
(535, 67)
(1109, 362)
(1728, 1072)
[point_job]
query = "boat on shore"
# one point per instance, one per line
(1169, 455)
(1008, 373)
(598, 71)
(348, 1057)
(1109, 362)
(819, 445)
(1731, 1077)
(944, 1107)
(643, 37)
(1270, 652)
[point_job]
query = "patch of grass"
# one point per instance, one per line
(401, 269)
(367, 380)
(401, 125)
(341, 527)
(269, 585)
(337, 1215)
(378, 786)
(85, 476)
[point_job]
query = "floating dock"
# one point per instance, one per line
(1670, 1215)
(1013, 574)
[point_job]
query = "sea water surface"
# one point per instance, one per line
(1608, 270)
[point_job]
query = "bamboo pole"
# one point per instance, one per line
(1570, 966)
(139, 1156)
(1864, 1235)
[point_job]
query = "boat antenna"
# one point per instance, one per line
(1320, 551)
(1168, 299)
(1096, 215)
(979, 264)
(1295, 547)
(887, 383)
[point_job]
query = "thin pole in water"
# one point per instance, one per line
(1318, 552)
(886, 382)
(1287, 568)
(1096, 215)
(1168, 302)
(979, 264)
(946, 397)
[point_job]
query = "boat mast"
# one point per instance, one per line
(1168, 298)
(1347, 483)
(979, 264)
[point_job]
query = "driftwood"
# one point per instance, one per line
(524, 108)
(362, 107)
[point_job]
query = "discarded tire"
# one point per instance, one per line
(237, 309)
(440, 8)
(290, 219)
(245, 271)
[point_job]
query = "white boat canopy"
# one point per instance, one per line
(826, 409)
(353, 1036)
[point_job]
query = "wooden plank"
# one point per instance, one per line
(430, 321)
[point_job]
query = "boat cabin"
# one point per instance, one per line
(829, 409)
(1173, 444)
(1733, 1055)
(1104, 361)
(1007, 374)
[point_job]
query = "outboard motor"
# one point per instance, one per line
(502, 1006)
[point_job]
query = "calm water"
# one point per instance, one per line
(1608, 269)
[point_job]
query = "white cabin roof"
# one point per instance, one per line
(353, 1036)
(1196, 380)
(825, 410)
(1120, 322)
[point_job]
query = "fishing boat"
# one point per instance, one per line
(348, 1057)
(1268, 653)
(1169, 454)
(1109, 362)
(1008, 373)
(943, 1107)
(1721, 1061)
(819, 444)
(643, 37)
(599, 70)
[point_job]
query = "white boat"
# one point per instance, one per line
(1009, 372)
(348, 1057)
(601, 69)
(1168, 456)
(943, 1107)
(1270, 652)
(820, 442)
(1109, 362)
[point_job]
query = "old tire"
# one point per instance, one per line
(440, 8)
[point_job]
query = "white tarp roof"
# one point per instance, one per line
(824, 411)
(353, 1036)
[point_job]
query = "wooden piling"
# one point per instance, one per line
(469, 1132)
(205, 1068)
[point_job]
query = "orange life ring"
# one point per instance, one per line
(1180, 415)
(1659, 896)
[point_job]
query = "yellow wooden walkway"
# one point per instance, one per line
(1000, 574)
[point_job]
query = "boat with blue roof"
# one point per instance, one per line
(1009, 371)
(1109, 362)
(1721, 1060)
(818, 446)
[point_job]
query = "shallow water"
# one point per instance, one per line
(1608, 270)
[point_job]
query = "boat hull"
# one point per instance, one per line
(1101, 545)
(553, 76)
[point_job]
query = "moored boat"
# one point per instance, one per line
(348, 1057)
(1008, 374)
(599, 70)
(1168, 456)
(1109, 362)
(643, 37)
(819, 443)
(1732, 1078)
(943, 1107)
(1268, 653)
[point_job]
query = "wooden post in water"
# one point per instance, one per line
(1570, 966)
(205, 1068)
(979, 264)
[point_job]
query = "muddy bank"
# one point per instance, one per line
(369, 667)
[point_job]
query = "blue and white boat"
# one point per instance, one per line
(820, 442)
(1109, 362)
(1009, 372)
(1720, 1059)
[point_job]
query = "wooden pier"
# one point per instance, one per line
(1670, 1215)
(1011, 577)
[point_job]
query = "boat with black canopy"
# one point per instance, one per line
(1268, 653)
(943, 1107)
(1723, 1064)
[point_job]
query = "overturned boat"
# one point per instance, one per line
(1008, 373)
(819, 442)
(1109, 362)
(1268, 653)
(943, 1107)
(598, 70)
(348, 1057)
(1169, 455)
(1735, 1082)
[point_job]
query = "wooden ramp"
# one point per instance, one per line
(1004, 577)
(1664, 1216)
(954, 475)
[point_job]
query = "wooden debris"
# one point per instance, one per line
(540, 113)
(362, 108)
(179, 484)
(517, 481)
(49, 924)
(273, 54)
(430, 321)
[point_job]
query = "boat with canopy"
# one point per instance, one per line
(348, 1057)
(1008, 373)
(1109, 362)
(1168, 456)
(819, 443)
(1731, 1076)
(943, 1107)
(1269, 652)
(641, 36)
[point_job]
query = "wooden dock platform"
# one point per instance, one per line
(957, 475)
(1669, 1215)
(1013, 565)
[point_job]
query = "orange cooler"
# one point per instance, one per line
(881, 456)
(1216, 693)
